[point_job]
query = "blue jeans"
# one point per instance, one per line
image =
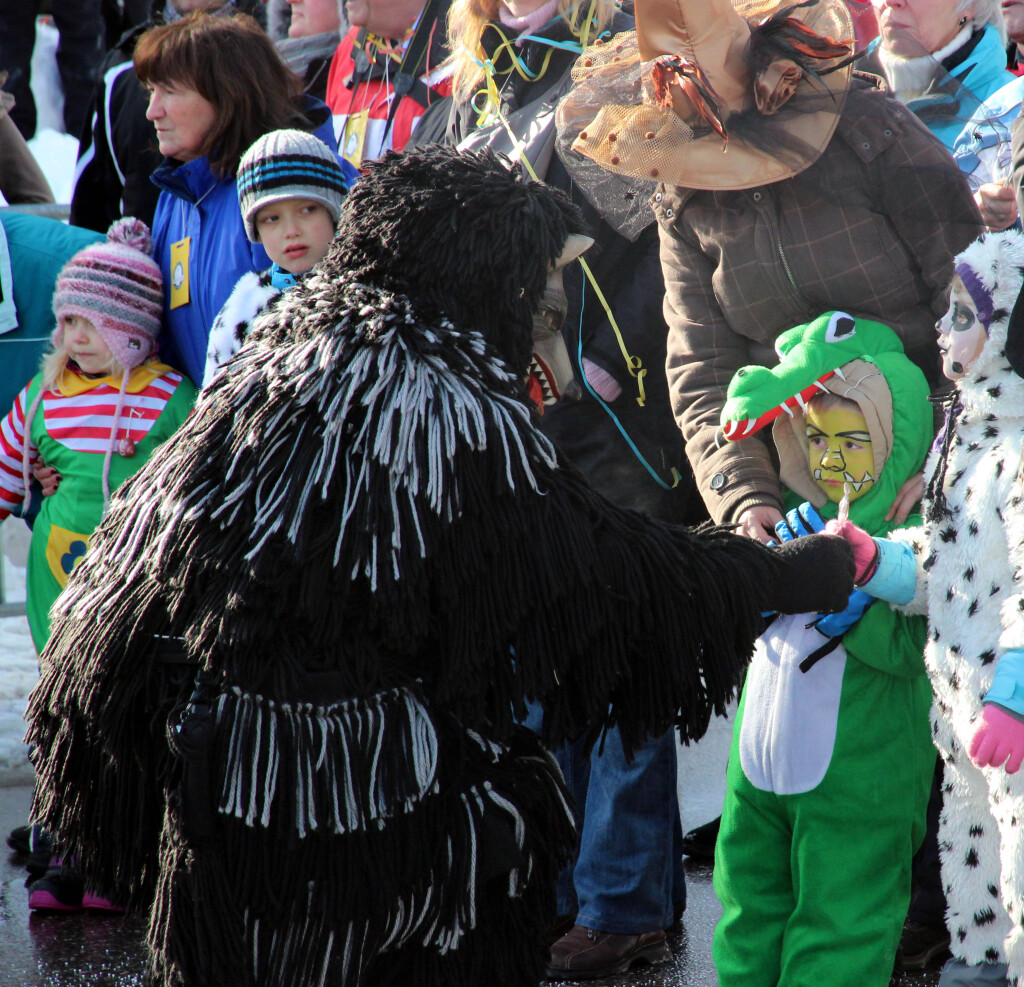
(628, 872)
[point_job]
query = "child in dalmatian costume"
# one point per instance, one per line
(964, 568)
(832, 758)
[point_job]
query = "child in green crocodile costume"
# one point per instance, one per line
(832, 758)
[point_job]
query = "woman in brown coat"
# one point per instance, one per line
(831, 195)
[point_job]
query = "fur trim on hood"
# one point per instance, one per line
(996, 261)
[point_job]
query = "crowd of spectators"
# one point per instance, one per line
(922, 152)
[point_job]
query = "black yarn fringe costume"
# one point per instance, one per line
(278, 707)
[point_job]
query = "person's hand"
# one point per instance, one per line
(909, 493)
(865, 551)
(801, 521)
(758, 523)
(47, 477)
(997, 204)
(998, 737)
(837, 624)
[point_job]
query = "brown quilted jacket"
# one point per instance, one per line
(870, 228)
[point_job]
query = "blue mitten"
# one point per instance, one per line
(837, 624)
(802, 520)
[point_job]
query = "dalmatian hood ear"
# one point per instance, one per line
(992, 270)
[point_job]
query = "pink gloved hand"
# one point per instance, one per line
(998, 737)
(865, 551)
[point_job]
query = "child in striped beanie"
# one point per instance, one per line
(290, 190)
(96, 410)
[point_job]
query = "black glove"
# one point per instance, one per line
(815, 575)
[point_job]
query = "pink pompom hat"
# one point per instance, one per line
(118, 287)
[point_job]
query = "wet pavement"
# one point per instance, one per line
(87, 949)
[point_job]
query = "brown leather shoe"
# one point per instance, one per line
(586, 954)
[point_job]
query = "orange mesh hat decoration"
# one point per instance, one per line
(712, 94)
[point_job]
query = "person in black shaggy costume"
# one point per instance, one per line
(279, 705)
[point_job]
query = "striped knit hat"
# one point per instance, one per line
(117, 286)
(288, 164)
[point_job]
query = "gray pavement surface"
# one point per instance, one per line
(87, 949)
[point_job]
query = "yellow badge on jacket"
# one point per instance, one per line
(179, 272)
(353, 139)
(64, 550)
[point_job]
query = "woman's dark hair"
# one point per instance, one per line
(234, 66)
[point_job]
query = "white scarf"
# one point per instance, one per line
(909, 77)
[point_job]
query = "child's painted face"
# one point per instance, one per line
(961, 333)
(295, 233)
(839, 451)
(85, 345)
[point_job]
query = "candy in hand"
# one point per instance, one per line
(865, 551)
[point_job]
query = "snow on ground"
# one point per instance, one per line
(45, 79)
(18, 667)
(56, 153)
(700, 779)
(55, 150)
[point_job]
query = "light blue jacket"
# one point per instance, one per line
(983, 72)
(983, 148)
(37, 248)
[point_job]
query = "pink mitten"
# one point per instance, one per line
(998, 737)
(865, 551)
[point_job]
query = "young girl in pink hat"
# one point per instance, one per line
(96, 410)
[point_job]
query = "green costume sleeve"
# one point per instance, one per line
(904, 657)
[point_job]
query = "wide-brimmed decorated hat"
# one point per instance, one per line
(712, 94)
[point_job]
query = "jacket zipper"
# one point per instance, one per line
(765, 211)
(785, 264)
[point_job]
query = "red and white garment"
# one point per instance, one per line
(79, 415)
(361, 110)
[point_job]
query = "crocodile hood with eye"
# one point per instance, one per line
(857, 359)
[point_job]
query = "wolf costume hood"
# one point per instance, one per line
(860, 360)
(279, 704)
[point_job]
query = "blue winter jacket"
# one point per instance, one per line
(195, 203)
(983, 148)
(982, 72)
(37, 249)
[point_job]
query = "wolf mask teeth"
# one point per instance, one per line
(857, 484)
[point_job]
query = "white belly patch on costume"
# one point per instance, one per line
(790, 716)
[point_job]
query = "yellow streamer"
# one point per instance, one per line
(492, 110)
(491, 107)
(633, 363)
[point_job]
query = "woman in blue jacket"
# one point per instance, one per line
(215, 85)
(940, 57)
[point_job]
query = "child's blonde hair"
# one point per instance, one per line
(55, 362)
(468, 18)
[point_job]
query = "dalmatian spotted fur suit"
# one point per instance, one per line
(970, 567)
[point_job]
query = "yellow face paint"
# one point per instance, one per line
(839, 451)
